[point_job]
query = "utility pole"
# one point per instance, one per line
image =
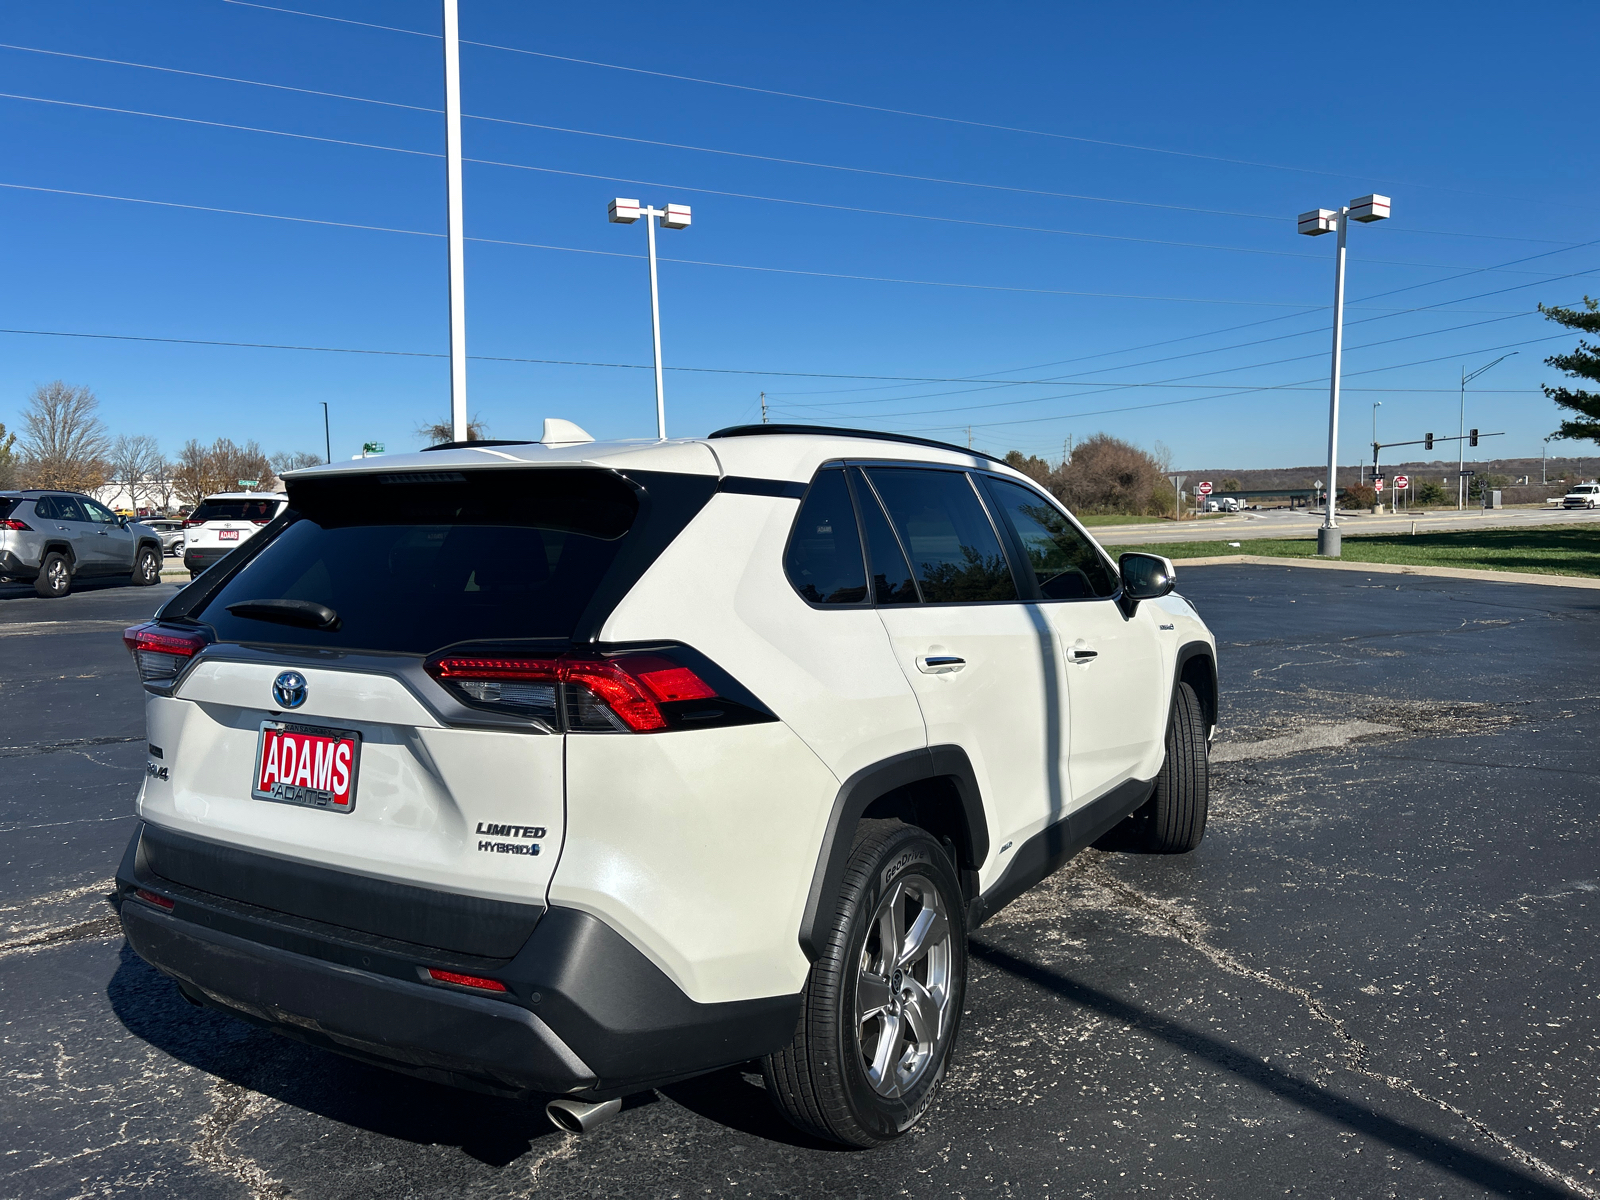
(458, 268)
(327, 441)
(1461, 461)
(1544, 464)
(969, 437)
(763, 408)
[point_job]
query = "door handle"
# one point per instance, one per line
(1081, 654)
(939, 664)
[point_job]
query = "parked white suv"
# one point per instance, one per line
(573, 769)
(221, 523)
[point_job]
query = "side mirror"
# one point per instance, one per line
(122, 522)
(1146, 576)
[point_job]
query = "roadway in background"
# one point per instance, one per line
(1300, 522)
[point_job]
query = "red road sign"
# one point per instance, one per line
(1378, 483)
(1203, 488)
(1401, 482)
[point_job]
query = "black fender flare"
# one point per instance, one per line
(151, 543)
(62, 548)
(1209, 694)
(856, 795)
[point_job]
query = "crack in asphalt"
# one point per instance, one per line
(97, 927)
(566, 1148)
(1192, 932)
(230, 1105)
(70, 744)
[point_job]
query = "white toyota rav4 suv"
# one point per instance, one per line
(572, 768)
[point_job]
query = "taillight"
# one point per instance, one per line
(160, 652)
(19, 526)
(261, 521)
(624, 693)
(471, 981)
(190, 524)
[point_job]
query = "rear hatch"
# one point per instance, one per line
(223, 522)
(305, 717)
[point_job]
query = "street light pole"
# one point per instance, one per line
(1544, 465)
(1376, 405)
(327, 440)
(673, 216)
(1319, 221)
(1461, 453)
(452, 172)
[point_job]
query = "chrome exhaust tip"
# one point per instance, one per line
(579, 1116)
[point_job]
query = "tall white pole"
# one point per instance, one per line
(1461, 451)
(1329, 543)
(655, 326)
(458, 294)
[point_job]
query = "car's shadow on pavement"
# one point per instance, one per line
(493, 1130)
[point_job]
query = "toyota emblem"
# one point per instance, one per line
(289, 689)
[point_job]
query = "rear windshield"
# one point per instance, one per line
(416, 561)
(235, 510)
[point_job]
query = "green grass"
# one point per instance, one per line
(1542, 549)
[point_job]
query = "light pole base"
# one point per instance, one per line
(1328, 542)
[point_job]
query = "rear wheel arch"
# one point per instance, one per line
(934, 788)
(62, 548)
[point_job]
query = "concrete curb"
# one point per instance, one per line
(1330, 564)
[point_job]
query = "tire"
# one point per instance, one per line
(857, 1072)
(147, 568)
(1174, 819)
(55, 576)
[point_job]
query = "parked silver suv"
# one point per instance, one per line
(50, 538)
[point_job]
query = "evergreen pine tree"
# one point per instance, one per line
(1582, 363)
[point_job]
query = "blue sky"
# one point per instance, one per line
(1089, 281)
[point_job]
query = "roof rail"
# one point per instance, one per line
(832, 431)
(478, 445)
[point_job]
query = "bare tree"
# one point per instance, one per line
(284, 461)
(64, 445)
(8, 459)
(204, 470)
(445, 431)
(135, 460)
(163, 487)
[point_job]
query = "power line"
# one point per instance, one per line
(727, 153)
(1066, 137)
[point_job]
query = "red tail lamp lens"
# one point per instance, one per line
(19, 526)
(633, 686)
(191, 523)
(158, 901)
(472, 981)
(160, 653)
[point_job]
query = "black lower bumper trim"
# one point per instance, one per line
(575, 982)
(435, 1032)
(13, 568)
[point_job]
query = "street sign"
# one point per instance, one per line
(1203, 487)
(1401, 483)
(1377, 484)
(249, 483)
(372, 447)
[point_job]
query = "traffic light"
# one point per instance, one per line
(1427, 441)
(1472, 438)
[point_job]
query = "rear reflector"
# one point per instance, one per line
(158, 901)
(624, 693)
(161, 652)
(472, 981)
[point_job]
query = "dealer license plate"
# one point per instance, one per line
(307, 765)
(227, 535)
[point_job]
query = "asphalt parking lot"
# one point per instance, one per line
(1377, 977)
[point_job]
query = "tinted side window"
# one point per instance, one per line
(891, 574)
(1064, 562)
(823, 561)
(67, 509)
(953, 547)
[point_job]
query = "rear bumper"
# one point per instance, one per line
(13, 568)
(198, 558)
(584, 1011)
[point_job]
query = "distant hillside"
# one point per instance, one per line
(1560, 471)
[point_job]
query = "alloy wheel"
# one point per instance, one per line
(903, 991)
(58, 575)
